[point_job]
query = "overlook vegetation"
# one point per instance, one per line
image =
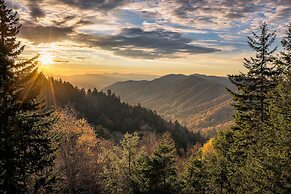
(56, 138)
(109, 115)
(200, 102)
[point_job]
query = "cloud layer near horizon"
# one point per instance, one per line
(148, 29)
(145, 29)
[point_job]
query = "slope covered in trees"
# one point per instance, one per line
(107, 111)
(198, 101)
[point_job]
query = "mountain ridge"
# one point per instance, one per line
(200, 102)
(111, 117)
(100, 81)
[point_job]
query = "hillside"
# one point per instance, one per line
(112, 117)
(198, 101)
(100, 81)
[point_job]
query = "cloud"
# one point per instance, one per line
(63, 21)
(148, 29)
(215, 11)
(61, 61)
(135, 42)
(36, 11)
(45, 34)
(94, 4)
(283, 12)
(234, 15)
(85, 22)
(283, 2)
(13, 4)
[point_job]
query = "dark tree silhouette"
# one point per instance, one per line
(26, 145)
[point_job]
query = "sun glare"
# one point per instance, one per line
(46, 58)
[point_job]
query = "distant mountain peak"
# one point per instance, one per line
(199, 101)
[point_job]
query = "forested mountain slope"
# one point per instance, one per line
(201, 102)
(105, 110)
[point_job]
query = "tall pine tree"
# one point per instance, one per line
(286, 54)
(251, 96)
(275, 144)
(194, 176)
(26, 145)
(251, 111)
(270, 161)
(157, 173)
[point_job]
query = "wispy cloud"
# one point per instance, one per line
(135, 42)
(45, 34)
(148, 29)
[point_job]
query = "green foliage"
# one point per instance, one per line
(252, 108)
(27, 147)
(256, 153)
(270, 165)
(205, 172)
(107, 110)
(285, 59)
(250, 99)
(194, 176)
(157, 173)
(120, 164)
(129, 145)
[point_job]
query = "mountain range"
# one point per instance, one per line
(100, 81)
(200, 102)
(111, 117)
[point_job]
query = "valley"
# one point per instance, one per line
(200, 102)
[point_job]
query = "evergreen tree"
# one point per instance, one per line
(280, 141)
(26, 146)
(253, 87)
(205, 172)
(163, 161)
(271, 156)
(269, 164)
(194, 176)
(222, 171)
(122, 159)
(269, 159)
(285, 59)
(157, 173)
(252, 111)
(129, 145)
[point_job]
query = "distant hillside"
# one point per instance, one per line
(200, 102)
(100, 81)
(106, 111)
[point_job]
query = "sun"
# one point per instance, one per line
(46, 58)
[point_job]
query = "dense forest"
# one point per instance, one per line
(111, 117)
(49, 149)
(200, 102)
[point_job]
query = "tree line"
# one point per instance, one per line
(47, 150)
(110, 115)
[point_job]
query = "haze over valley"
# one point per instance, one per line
(199, 102)
(101, 81)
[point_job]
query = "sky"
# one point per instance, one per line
(155, 37)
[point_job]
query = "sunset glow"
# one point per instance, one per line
(153, 37)
(46, 59)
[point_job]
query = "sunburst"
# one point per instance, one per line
(46, 58)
